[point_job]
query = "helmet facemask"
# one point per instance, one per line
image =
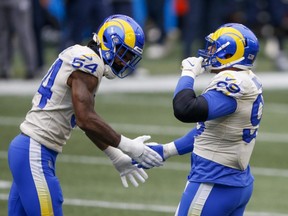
(123, 59)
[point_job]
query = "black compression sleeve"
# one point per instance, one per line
(189, 108)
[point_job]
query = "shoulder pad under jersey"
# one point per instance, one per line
(230, 83)
(84, 59)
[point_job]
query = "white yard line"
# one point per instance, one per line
(5, 184)
(157, 129)
(175, 166)
(149, 84)
(135, 206)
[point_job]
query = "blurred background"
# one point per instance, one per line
(33, 32)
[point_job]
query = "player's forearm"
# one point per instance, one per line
(101, 145)
(180, 146)
(185, 144)
(99, 132)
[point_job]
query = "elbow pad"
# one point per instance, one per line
(189, 108)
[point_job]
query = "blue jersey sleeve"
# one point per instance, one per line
(219, 104)
(185, 144)
(185, 82)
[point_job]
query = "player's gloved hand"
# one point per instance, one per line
(108, 73)
(192, 67)
(141, 153)
(165, 151)
(123, 165)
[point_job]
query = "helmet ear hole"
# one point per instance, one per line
(105, 39)
(227, 56)
(245, 42)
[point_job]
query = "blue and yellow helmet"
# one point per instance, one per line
(120, 36)
(231, 45)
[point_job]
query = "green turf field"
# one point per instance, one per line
(91, 186)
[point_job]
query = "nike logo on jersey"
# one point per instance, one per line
(191, 64)
(87, 57)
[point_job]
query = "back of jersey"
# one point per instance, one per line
(52, 118)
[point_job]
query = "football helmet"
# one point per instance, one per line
(121, 41)
(231, 45)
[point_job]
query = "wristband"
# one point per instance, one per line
(170, 150)
(188, 73)
(112, 153)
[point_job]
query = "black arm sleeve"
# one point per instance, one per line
(189, 108)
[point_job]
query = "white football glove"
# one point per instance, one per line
(192, 67)
(141, 153)
(123, 165)
(164, 150)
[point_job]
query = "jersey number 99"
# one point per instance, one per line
(255, 119)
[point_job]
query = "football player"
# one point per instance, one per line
(228, 114)
(64, 100)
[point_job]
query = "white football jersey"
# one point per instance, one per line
(51, 118)
(230, 140)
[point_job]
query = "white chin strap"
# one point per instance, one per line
(242, 67)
